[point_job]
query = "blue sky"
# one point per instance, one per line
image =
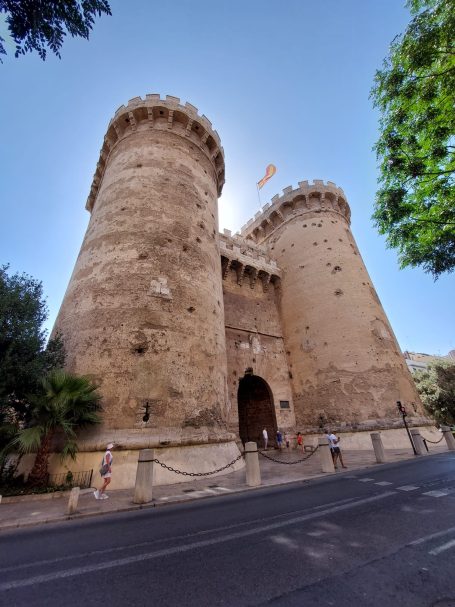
(283, 82)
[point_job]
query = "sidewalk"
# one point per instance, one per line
(51, 508)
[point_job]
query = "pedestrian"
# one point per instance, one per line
(299, 441)
(279, 440)
(106, 473)
(334, 448)
(265, 438)
(287, 440)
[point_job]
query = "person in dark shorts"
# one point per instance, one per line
(334, 448)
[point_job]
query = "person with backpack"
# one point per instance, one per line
(105, 472)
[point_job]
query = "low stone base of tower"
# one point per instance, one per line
(194, 458)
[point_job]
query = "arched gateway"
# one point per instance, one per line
(256, 409)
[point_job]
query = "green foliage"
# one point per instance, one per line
(38, 25)
(66, 404)
(8, 431)
(22, 339)
(24, 359)
(436, 387)
(415, 94)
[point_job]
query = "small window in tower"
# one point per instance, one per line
(284, 404)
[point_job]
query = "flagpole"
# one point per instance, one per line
(259, 196)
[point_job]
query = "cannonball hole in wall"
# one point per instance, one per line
(139, 350)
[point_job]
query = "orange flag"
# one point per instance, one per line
(269, 172)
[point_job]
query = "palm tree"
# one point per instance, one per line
(68, 403)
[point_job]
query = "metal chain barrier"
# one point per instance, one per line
(157, 461)
(432, 441)
(299, 461)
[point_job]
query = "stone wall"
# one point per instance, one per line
(143, 313)
(254, 342)
(346, 365)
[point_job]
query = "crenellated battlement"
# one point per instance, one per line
(163, 114)
(308, 197)
(247, 259)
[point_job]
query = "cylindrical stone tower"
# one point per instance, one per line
(346, 366)
(143, 313)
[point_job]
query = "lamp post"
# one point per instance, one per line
(146, 414)
(402, 410)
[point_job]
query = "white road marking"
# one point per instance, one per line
(436, 493)
(204, 532)
(384, 483)
(442, 548)
(432, 536)
(122, 562)
(365, 480)
(407, 488)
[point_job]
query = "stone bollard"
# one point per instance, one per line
(143, 488)
(253, 472)
(450, 439)
(418, 441)
(378, 447)
(325, 455)
(72, 502)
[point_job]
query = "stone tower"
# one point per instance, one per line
(345, 364)
(198, 340)
(143, 313)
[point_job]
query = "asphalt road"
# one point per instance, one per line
(386, 538)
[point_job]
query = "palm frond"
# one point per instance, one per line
(28, 439)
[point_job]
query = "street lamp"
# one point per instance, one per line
(147, 414)
(402, 410)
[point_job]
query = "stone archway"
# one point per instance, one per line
(256, 410)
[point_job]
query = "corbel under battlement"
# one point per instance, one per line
(249, 260)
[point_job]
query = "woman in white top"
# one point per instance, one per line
(334, 448)
(106, 473)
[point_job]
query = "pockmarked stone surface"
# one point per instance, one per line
(201, 338)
